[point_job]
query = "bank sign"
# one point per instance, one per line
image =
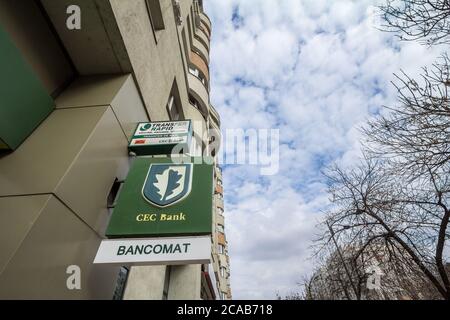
(167, 251)
(152, 138)
(161, 198)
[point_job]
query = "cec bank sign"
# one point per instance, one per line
(163, 214)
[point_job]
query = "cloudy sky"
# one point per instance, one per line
(315, 70)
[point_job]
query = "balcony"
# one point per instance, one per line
(218, 173)
(205, 30)
(219, 189)
(201, 49)
(215, 138)
(198, 122)
(220, 219)
(223, 261)
(206, 21)
(229, 296)
(221, 239)
(214, 115)
(219, 202)
(203, 38)
(223, 285)
(199, 63)
(198, 90)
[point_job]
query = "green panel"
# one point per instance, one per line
(24, 102)
(3, 145)
(194, 212)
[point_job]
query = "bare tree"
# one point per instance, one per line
(415, 139)
(427, 21)
(394, 206)
(416, 133)
(374, 206)
(399, 277)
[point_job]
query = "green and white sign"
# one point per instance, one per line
(163, 198)
(167, 251)
(152, 138)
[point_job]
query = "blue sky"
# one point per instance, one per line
(315, 70)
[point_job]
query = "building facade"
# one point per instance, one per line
(78, 76)
(375, 274)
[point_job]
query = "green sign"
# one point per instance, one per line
(24, 101)
(163, 198)
(152, 138)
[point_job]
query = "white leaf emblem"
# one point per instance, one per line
(161, 183)
(170, 183)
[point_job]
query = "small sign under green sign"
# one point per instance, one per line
(152, 138)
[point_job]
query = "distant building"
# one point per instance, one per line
(374, 276)
(75, 83)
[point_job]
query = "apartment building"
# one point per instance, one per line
(78, 76)
(375, 274)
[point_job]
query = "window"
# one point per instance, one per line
(185, 45)
(220, 228)
(194, 102)
(156, 16)
(195, 72)
(120, 284)
(193, 17)
(189, 28)
(113, 192)
(223, 272)
(221, 249)
(173, 109)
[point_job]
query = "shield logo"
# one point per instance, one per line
(167, 184)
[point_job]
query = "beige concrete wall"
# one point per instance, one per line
(75, 153)
(155, 64)
(185, 282)
(97, 48)
(145, 283)
(118, 91)
(40, 237)
(157, 59)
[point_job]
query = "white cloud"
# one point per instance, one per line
(315, 70)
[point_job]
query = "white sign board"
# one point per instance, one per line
(161, 133)
(155, 251)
